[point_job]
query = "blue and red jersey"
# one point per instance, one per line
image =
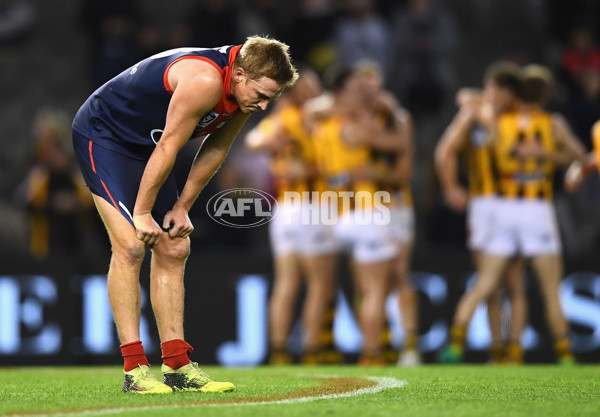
(128, 113)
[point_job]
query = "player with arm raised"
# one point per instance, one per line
(527, 145)
(470, 132)
(126, 137)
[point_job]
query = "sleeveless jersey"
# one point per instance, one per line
(528, 178)
(128, 113)
(479, 161)
(596, 139)
(336, 160)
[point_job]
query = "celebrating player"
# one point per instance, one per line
(470, 131)
(126, 137)
(528, 144)
(299, 248)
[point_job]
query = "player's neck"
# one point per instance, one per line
(530, 108)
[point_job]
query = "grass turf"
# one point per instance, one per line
(429, 391)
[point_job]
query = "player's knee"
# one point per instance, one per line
(175, 249)
(131, 252)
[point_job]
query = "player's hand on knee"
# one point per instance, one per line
(178, 223)
(147, 230)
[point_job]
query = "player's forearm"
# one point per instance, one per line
(204, 168)
(446, 164)
(562, 159)
(155, 174)
(387, 142)
(209, 159)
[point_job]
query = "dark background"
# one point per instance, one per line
(53, 55)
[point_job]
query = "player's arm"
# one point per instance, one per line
(469, 97)
(579, 171)
(569, 148)
(402, 170)
(185, 110)
(269, 135)
(208, 160)
(446, 158)
(385, 138)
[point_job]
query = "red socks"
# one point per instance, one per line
(134, 355)
(175, 353)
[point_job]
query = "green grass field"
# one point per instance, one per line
(291, 391)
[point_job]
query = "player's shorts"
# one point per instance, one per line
(293, 233)
(367, 243)
(479, 221)
(403, 223)
(116, 178)
(524, 227)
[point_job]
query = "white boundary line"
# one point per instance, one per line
(383, 383)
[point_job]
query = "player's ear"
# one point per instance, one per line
(239, 74)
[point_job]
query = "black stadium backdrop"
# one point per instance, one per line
(62, 317)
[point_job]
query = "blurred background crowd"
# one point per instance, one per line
(54, 54)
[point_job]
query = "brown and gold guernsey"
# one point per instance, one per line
(596, 139)
(529, 178)
(298, 150)
(336, 160)
(482, 179)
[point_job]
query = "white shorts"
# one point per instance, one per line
(524, 227)
(367, 243)
(403, 223)
(479, 220)
(290, 234)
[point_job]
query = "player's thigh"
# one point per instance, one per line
(122, 235)
(538, 229)
(513, 275)
(548, 270)
(373, 277)
(490, 272)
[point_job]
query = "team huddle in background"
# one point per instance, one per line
(356, 138)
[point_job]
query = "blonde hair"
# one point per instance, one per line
(265, 57)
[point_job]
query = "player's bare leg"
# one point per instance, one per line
(166, 285)
(373, 279)
(518, 309)
(124, 293)
(320, 290)
(281, 306)
(167, 295)
(549, 271)
(408, 300)
(494, 310)
(124, 290)
(488, 277)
